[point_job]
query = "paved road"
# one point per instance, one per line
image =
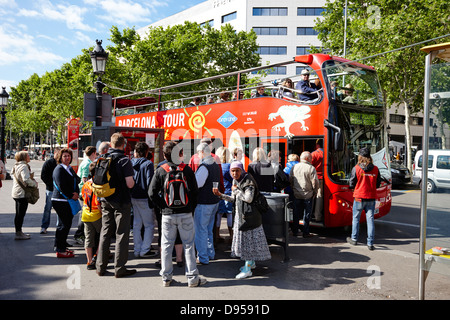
(323, 267)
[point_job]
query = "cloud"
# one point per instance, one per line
(71, 15)
(126, 12)
(20, 48)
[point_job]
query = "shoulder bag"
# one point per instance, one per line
(75, 205)
(31, 193)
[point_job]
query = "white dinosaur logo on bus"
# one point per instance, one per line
(291, 114)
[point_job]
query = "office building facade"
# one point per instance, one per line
(284, 27)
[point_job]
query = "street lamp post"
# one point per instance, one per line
(99, 57)
(3, 103)
(434, 135)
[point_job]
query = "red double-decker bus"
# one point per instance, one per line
(346, 112)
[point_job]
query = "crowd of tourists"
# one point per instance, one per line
(183, 203)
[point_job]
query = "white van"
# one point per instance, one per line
(438, 169)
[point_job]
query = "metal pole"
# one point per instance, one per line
(2, 135)
(99, 85)
(423, 204)
(345, 30)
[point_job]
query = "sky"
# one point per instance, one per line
(37, 36)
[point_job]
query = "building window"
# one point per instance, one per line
(270, 11)
(310, 11)
(396, 118)
(302, 50)
(277, 70)
(418, 121)
(210, 22)
(306, 31)
(298, 70)
(274, 70)
(272, 50)
(270, 31)
(229, 17)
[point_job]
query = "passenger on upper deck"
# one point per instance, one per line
(209, 99)
(224, 97)
(287, 83)
(348, 93)
(260, 92)
(195, 102)
(308, 90)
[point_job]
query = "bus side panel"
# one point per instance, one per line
(338, 205)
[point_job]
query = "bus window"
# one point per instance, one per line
(353, 85)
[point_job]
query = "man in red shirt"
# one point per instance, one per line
(317, 162)
(365, 179)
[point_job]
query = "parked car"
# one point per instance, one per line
(438, 169)
(400, 174)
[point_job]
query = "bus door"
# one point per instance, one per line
(275, 144)
(297, 145)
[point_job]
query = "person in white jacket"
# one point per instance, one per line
(22, 171)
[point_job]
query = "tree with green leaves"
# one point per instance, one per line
(182, 53)
(167, 56)
(440, 88)
(379, 26)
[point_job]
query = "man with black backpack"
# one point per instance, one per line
(116, 208)
(174, 190)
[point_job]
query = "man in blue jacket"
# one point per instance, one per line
(309, 90)
(142, 213)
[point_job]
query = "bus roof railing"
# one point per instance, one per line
(188, 83)
(277, 91)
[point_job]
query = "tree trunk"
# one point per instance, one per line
(408, 152)
(441, 125)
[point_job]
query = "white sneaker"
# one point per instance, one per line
(243, 275)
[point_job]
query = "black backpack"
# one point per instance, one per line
(103, 181)
(175, 189)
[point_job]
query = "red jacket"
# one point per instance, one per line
(317, 162)
(365, 182)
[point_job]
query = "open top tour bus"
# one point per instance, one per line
(347, 114)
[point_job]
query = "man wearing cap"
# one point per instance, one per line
(364, 180)
(308, 90)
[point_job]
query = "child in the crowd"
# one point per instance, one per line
(92, 218)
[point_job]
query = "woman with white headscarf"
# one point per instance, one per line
(249, 241)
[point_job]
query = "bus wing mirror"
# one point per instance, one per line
(338, 141)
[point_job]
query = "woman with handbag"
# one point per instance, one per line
(249, 241)
(65, 190)
(22, 178)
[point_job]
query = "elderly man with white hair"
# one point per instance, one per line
(304, 183)
(206, 175)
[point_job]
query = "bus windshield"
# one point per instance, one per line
(353, 84)
(359, 113)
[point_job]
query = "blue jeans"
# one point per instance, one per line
(369, 207)
(47, 210)
(302, 208)
(143, 216)
(184, 223)
(204, 223)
